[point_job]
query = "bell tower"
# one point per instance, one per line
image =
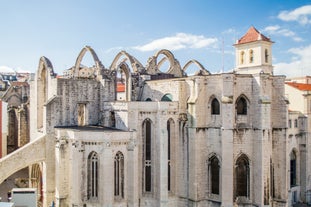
(253, 53)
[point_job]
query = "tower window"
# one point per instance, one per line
(266, 55)
(251, 56)
(242, 57)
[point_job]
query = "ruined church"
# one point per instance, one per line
(133, 136)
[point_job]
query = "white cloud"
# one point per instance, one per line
(177, 42)
(301, 15)
(277, 30)
(6, 69)
(300, 65)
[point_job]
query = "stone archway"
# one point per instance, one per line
(98, 64)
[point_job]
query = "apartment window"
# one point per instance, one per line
(241, 106)
(215, 107)
(290, 123)
(92, 175)
(214, 172)
(242, 176)
(119, 175)
(147, 155)
(296, 123)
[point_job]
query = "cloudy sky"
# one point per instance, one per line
(204, 30)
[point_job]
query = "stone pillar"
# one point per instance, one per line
(131, 171)
(160, 158)
(49, 176)
(227, 167)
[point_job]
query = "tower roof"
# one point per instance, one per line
(252, 35)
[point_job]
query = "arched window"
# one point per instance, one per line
(251, 56)
(214, 172)
(266, 55)
(215, 107)
(167, 97)
(293, 168)
(242, 176)
(241, 106)
(147, 155)
(148, 99)
(119, 175)
(92, 181)
(242, 57)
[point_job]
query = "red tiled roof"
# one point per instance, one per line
(120, 87)
(300, 86)
(252, 35)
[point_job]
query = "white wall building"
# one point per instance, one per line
(173, 140)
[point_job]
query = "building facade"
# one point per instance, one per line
(163, 138)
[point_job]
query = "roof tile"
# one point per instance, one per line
(300, 86)
(252, 35)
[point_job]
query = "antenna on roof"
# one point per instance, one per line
(223, 54)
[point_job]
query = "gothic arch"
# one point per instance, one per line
(213, 154)
(136, 65)
(36, 179)
(45, 66)
(242, 176)
(97, 62)
(242, 104)
(214, 105)
(45, 73)
(123, 68)
(174, 69)
(201, 71)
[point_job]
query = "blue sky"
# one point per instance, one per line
(204, 30)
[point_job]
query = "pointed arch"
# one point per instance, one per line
(45, 73)
(135, 64)
(242, 176)
(92, 175)
(119, 175)
(174, 68)
(147, 155)
(215, 105)
(36, 180)
(241, 105)
(201, 71)
(98, 64)
(123, 85)
(45, 66)
(214, 165)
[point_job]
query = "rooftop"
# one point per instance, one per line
(252, 35)
(300, 86)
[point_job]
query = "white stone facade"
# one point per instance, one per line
(203, 140)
